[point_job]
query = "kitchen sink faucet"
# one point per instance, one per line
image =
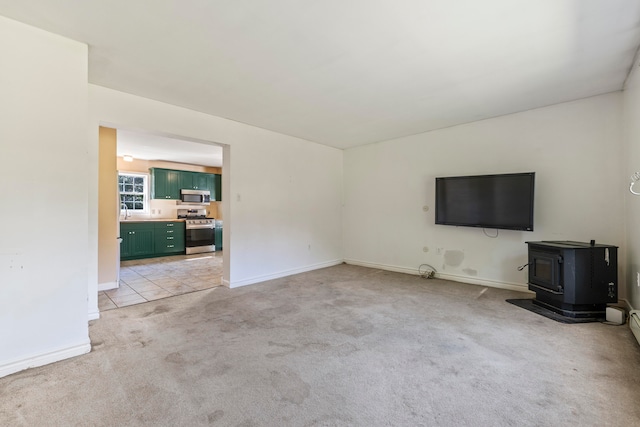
(126, 210)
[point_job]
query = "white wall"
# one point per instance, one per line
(575, 149)
(631, 97)
(283, 199)
(43, 253)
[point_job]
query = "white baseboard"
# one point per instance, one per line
(44, 359)
(386, 267)
(280, 274)
(107, 286)
(446, 276)
(485, 282)
(94, 315)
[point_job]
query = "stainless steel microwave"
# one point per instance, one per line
(195, 197)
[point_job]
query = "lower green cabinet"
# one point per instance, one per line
(125, 247)
(218, 238)
(151, 239)
(169, 237)
(137, 240)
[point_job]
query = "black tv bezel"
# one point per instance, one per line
(527, 227)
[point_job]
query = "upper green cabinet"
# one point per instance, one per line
(217, 187)
(193, 180)
(165, 184)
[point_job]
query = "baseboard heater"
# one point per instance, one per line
(634, 323)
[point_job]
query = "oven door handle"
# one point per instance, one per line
(199, 227)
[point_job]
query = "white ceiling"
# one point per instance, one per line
(350, 72)
(153, 147)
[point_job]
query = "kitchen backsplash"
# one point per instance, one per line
(168, 209)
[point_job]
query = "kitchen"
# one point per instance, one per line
(160, 217)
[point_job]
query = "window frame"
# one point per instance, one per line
(145, 194)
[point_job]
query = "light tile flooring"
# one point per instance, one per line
(155, 278)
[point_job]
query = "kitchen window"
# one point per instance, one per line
(134, 194)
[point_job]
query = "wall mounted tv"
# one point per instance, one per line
(490, 201)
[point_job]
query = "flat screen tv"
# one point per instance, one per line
(490, 201)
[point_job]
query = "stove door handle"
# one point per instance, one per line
(199, 227)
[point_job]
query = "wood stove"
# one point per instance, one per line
(574, 279)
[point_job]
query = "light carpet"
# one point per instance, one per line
(341, 346)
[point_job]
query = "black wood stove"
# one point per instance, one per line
(574, 279)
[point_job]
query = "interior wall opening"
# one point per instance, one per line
(160, 216)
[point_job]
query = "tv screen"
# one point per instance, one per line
(489, 201)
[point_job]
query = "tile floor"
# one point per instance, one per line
(155, 278)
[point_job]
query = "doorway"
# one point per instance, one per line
(131, 198)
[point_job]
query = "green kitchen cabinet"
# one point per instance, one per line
(197, 181)
(218, 238)
(216, 193)
(210, 182)
(143, 243)
(202, 181)
(125, 245)
(193, 180)
(165, 183)
(169, 237)
(213, 184)
(186, 180)
(137, 240)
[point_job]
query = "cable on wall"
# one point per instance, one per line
(484, 230)
(634, 178)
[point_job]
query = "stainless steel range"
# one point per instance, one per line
(199, 231)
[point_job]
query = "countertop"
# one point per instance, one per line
(152, 220)
(159, 219)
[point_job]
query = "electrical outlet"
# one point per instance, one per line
(638, 278)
